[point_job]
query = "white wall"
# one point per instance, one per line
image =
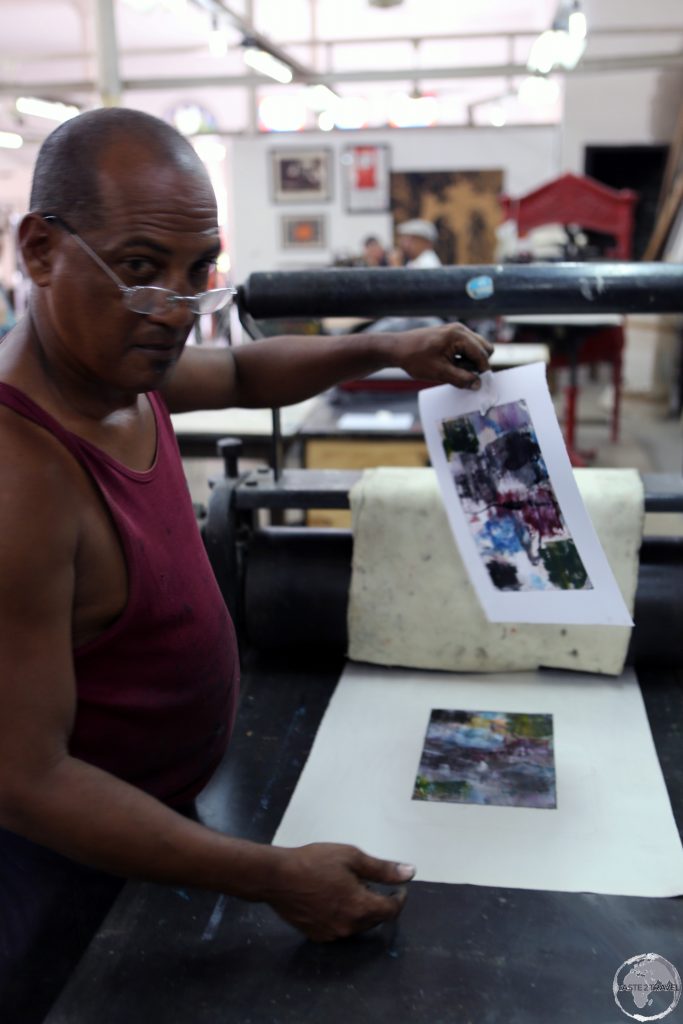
(527, 157)
(628, 108)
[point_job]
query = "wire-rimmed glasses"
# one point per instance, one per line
(151, 300)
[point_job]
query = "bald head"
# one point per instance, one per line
(66, 176)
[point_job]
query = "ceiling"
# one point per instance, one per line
(154, 54)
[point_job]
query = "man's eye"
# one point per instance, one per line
(203, 268)
(140, 266)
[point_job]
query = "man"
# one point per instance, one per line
(416, 239)
(118, 667)
(373, 252)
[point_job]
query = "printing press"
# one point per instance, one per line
(459, 952)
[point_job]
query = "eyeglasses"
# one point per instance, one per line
(148, 299)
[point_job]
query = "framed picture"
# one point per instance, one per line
(365, 172)
(301, 175)
(301, 232)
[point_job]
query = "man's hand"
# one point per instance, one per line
(433, 353)
(322, 889)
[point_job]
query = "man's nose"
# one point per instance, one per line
(176, 312)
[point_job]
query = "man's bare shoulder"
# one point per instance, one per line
(40, 485)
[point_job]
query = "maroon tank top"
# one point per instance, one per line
(157, 690)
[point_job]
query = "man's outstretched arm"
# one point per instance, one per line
(281, 371)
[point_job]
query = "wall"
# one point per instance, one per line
(527, 156)
(635, 107)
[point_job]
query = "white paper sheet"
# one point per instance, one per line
(612, 832)
(512, 545)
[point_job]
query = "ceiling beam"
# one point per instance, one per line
(199, 49)
(588, 66)
(219, 8)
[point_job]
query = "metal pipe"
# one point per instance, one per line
(507, 289)
(108, 78)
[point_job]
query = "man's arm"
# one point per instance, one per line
(93, 817)
(281, 371)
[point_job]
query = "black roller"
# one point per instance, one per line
(658, 637)
(448, 291)
(298, 579)
(296, 589)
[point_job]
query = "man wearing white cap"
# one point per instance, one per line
(416, 239)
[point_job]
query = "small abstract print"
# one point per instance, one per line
(512, 511)
(488, 757)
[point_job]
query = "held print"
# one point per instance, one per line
(509, 502)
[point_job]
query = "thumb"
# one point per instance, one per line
(372, 869)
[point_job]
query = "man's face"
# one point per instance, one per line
(373, 253)
(158, 227)
(412, 245)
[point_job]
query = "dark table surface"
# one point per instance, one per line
(460, 953)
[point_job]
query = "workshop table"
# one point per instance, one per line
(199, 432)
(460, 953)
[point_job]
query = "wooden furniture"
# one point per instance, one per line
(571, 199)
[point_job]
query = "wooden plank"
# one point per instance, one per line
(665, 220)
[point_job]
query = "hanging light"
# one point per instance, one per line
(496, 115)
(563, 45)
(10, 140)
(283, 113)
(406, 111)
(265, 63)
(320, 97)
(51, 110)
(218, 40)
(538, 91)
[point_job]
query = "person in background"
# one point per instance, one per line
(416, 239)
(373, 252)
(7, 318)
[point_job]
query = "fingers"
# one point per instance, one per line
(451, 354)
(469, 347)
(468, 356)
(329, 891)
(373, 869)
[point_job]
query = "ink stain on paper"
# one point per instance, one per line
(505, 491)
(488, 757)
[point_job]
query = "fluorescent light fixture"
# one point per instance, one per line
(49, 109)
(282, 113)
(320, 97)
(578, 26)
(218, 41)
(571, 51)
(10, 140)
(543, 55)
(351, 112)
(538, 91)
(563, 45)
(326, 120)
(266, 64)
(497, 115)
(406, 111)
(188, 119)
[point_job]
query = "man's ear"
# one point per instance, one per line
(36, 242)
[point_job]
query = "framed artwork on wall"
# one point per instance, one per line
(301, 175)
(303, 232)
(365, 172)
